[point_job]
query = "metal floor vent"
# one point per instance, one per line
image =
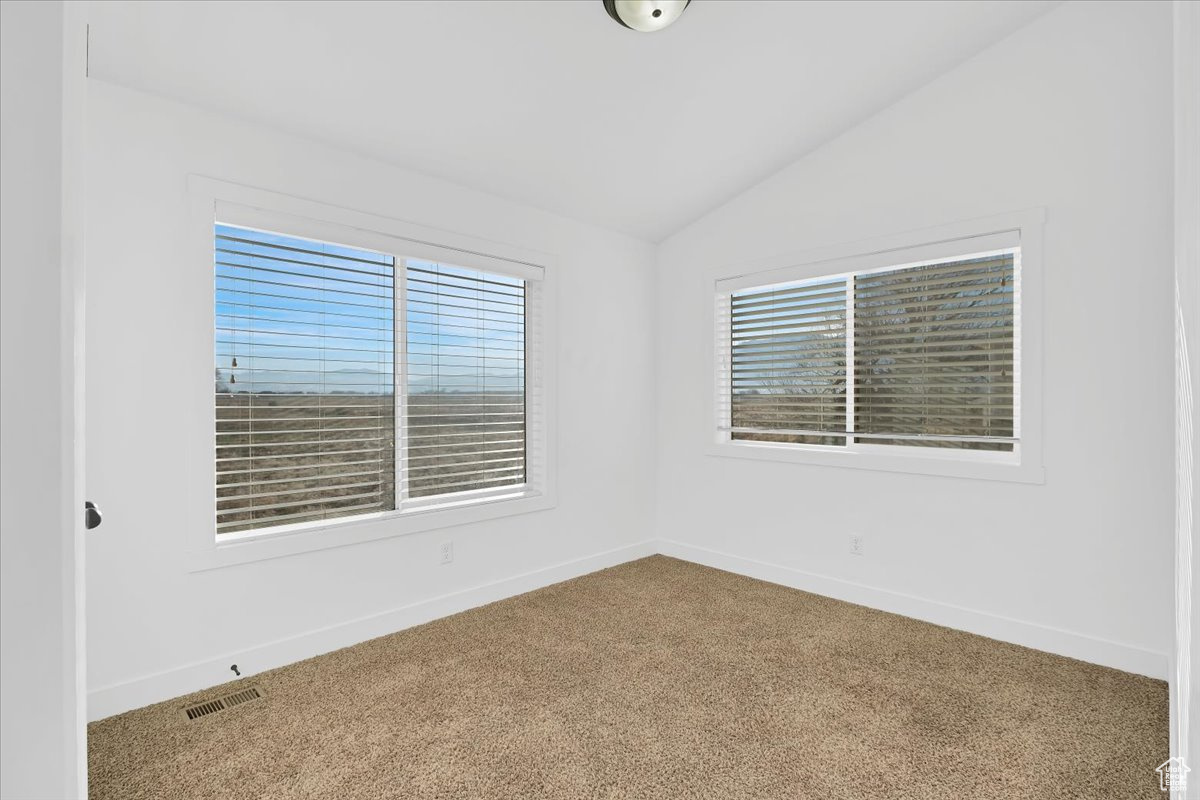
(221, 703)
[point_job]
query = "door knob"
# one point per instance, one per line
(91, 515)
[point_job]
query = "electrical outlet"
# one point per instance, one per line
(447, 552)
(856, 545)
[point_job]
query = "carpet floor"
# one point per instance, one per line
(656, 679)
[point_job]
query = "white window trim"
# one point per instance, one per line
(218, 201)
(1021, 229)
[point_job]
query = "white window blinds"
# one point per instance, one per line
(352, 382)
(934, 351)
(788, 363)
(465, 413)
(305, 402)
(923, 355)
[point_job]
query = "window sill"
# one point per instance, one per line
(286, 540)
(949, 464)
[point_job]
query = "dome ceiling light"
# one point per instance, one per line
(645, 16)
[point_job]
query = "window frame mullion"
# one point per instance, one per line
(851, 367)
(400, 379)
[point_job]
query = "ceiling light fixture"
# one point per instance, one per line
(645, 16)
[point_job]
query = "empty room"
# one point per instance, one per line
(494, 399)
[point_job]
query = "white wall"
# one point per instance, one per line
(156, 629)
(1071, 113)
(1185, 696)
(41, 727)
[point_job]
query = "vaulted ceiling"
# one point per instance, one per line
(552, 103)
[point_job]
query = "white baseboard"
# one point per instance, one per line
(154, 688)
(1127, 658)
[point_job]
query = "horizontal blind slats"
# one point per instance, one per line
(944, 318)
(788, 342)
(775, 321)
(248, 462)
(248, 293)
(321, 281)
(466, 410)
(344, 254)
(231, 522)
(427, 486)
(907, 438)
(284, 498)
(224, 489)
(305, 410)
(320, 469)
(930, 273)
(320, 291)
(824, 288)
(934, 357)
(935, 353)
(760, 307)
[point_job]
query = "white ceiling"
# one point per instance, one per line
(552, 103)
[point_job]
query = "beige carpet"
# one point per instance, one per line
(657, 679)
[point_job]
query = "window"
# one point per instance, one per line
(356, 382)
(934, 354)
(918, 358)
(788, 363)
(465, 407)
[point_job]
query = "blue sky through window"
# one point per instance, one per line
(298, 316)
(465, 330)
